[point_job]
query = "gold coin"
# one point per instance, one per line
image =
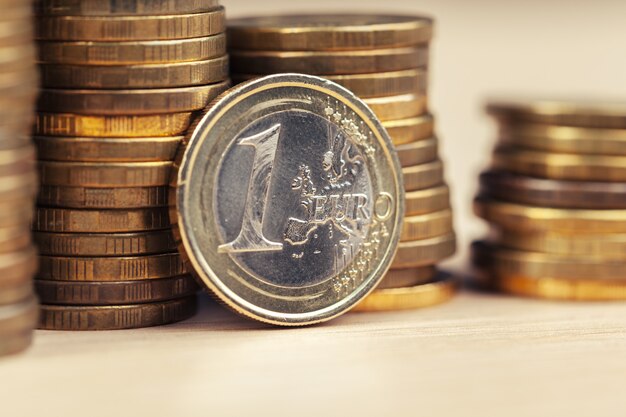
(419, 177)
(126, 7)
(565, 139)
(129, 28)
(328, 63)
(582, 114)
(59, 124)
(12, 140)
(105, 175)
(17, 161)
(14, 238)
(16, 32)
(417, 153)
(128, 54)
(408, 298)
(183, 74)
(400, 278)
(425, 226)
(417, 253)
(120, 102)
(54, 148)
(398, 107)
(15, 342)
(100, 221)
(17, 318)
(127, 268)
(18, 187)
(17, 268)
(122, 292)
(17, 293)
(561, 166)
(427, 200)
(105, 244)
(16, 212)
(529, 219)
(328, 32)
(410, 130)
(102, 198)
(609, 246)
(116, 317)
(17, 58)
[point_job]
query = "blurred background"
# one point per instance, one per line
(488, 48)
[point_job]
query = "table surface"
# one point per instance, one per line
(479, 354)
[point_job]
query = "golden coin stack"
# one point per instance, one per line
(121, 82)
(383, 60)
(556, 198)
(18, 176)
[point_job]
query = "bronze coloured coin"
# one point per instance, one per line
(17, 268)
(102, 198)
(400, 278)
(14, 238)
(410, 130)
(427, 200)
(122, 8)
(327, 234)
(99, 221)
(16, 212)
(418, 253)
(15, 342)
(20, 317)
(17, 161)
(122, 292)
(105, 174)
(323, 32)
(426, 226)
(116, 317)
(419, 177)
(18, 187)
(416, 153)
(12, 294)
(398, 107)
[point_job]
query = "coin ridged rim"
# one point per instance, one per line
(419, 177)
(427, 200)
(328, 63)
(417, 253)
(100, 221)
(279, 32)
(544, 192)
(399, 278)
(116, 317)
(128, 28)
(113, 8)
(530, 218)
(134, 101)
(398, 107)
(425, 226)
(105, 174)
(102, 198)
(419, 152)
(442, 289)
(410, 130)
(213, 113)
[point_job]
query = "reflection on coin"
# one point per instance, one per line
(417, 153)
(419, 177)
(105, 175)
(126, 7)
(103, 221)
(425, 226)
(417, 253)
(289, 211)
(398, 107)
(102, 198)
(427, 200)
(399, 278)
(410, 130)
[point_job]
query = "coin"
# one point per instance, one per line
(102, 198)
(15, 342)
(398, 107)
(325, 237)
(565, 139)
(425, 226)
(417, 253)
(540, 219)
(17, 58)
(17, 161)
(120, 102)
(122, 292)
(18, 317)
(427, 200)
(54, 148)
(18, 187)
(127, 268)
(125, 7)
(561, 166)
(116, 317)
(410, 130)
(103, 244)
(59, 124)
(419, 177)
(183, 74)
(408, 298)
(11, 294)
(580, 114)
(11, 140)
(173, 52)
(609, 246)
(14, 238)
(323, 32)
(129, 28)
(400, 278)
(417, 153)
(100, 221)
(16, 212)
(328, 63)
(17, 268)
(105, 175)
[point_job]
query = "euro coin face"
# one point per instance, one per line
(288, 199)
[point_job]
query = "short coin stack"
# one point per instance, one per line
(383, 60)
(121, 82)
(556, 198)
(18, 177)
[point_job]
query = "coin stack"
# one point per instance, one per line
(556, 198)
(383, 60)
(18, 177)
(121, 82)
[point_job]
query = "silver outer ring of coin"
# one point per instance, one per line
(227, 253)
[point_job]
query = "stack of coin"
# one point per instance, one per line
(383, 60)
(121, 83)
(18, 176)
(556, 198)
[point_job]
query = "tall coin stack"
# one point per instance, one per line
(121, 82)
(18, 177)
(383, 60)
(556, 198)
